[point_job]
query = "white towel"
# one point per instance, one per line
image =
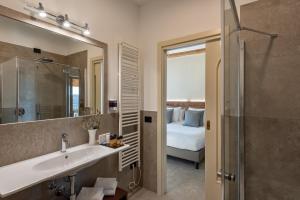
(109, 185)
(90, 194)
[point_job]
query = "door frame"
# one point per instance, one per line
(91, 94)
(161, 96)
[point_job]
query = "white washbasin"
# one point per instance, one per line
(68, 159)
(21, 175)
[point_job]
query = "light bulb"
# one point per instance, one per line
(42, 14)
(86, 32)
(66, 24)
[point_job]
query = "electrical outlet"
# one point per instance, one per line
(148, 119)
(36, 50)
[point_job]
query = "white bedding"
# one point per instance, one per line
(185, 137)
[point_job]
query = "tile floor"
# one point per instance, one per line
(184, 183)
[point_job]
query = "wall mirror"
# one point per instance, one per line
(47, 72)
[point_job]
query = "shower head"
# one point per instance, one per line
(45, 60)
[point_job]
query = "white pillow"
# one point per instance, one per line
(176, 113)
(181, 115)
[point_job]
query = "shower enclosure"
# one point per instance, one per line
(232, 172)
(38, 89)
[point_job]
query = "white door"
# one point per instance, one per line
(213, 121)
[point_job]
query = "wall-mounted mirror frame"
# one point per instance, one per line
(27, 19)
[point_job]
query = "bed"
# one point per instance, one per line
(186, 142)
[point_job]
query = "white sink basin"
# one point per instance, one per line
(68, 159)
(24, 174)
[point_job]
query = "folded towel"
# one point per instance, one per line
(90, 194)
(109, 192)
(109, 185)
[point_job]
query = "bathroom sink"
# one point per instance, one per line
(68, 159)
(21, 175)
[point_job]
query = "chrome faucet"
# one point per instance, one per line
(64, 142)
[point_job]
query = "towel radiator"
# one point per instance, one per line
(129, 104)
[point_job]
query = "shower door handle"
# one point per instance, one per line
(20, 111)
(227, 176)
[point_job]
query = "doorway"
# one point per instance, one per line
(97, 69)
(185, 131)
(211, 41)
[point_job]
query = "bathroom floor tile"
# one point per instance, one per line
(184, 182)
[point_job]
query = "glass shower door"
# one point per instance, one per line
(51, 90)
(9, 91)
(27, 96)
(232, 130)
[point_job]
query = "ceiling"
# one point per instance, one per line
(140, 2)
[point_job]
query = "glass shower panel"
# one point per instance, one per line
(37, 90)
(233, 107)
(9, 91)
(27, 98)
(51, 91)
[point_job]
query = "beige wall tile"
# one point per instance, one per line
(272, 100)
(149, 135)
(272, 158)
(272, 86)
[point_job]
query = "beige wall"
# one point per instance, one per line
(110, 21)
(169, 19)
(186, 77)
(160, 21)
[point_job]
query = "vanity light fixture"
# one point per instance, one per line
(42, 12)
(57, 19)
(66, 22)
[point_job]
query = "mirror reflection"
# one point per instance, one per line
(45, 76)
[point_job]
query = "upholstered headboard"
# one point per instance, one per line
(186, 104)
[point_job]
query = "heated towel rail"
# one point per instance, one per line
(129, 104)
